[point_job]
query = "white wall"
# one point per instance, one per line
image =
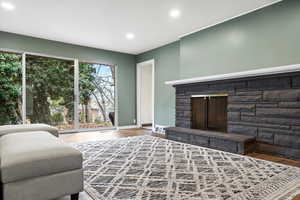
(146, 94)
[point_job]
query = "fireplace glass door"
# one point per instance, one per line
(209, 113)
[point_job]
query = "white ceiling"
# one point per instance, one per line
(104, 23)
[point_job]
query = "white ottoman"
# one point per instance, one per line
(38, 166)
(28, 128)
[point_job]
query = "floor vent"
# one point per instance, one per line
(160, 129)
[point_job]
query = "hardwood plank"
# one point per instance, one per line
(275, 159)
(104, 135)
(296, 198)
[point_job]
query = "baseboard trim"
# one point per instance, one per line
(127, 127)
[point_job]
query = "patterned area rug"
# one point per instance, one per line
(151, 168)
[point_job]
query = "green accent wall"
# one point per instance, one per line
(265, 38)
(126, 68)
(166, 68)
(268, 37)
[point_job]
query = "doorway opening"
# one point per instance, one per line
(145, 94)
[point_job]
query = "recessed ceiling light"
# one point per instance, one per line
(175, 13)
(7, 6)
(130, 36)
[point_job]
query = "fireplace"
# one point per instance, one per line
(209, 112)
(264, 108)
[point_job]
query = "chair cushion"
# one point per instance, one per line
(34, 154)
(27, 128)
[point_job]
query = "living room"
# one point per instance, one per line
(150, 100)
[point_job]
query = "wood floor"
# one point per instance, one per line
(114, 134)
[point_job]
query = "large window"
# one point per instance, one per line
(48, 87)
(97, 95)
(50, 91)
(10, 88)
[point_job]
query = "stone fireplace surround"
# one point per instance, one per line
(266, 107)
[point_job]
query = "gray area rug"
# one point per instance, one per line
(151, 168)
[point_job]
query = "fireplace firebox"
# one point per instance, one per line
(209, 112)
